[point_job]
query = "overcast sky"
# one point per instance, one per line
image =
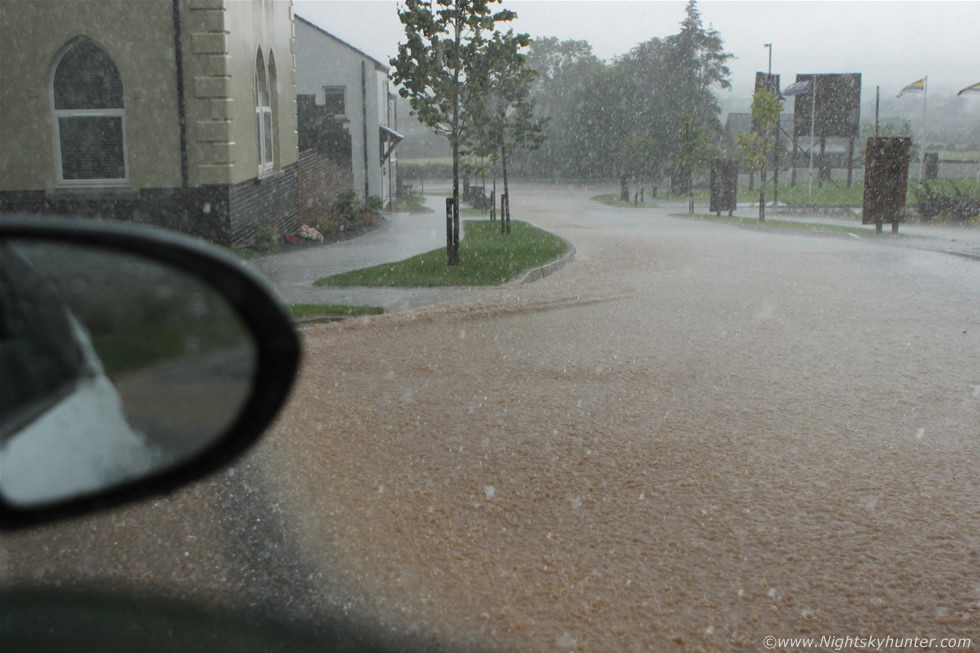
(891, 43)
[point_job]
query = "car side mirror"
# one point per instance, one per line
(132, 361)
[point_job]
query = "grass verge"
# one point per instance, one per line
(785, 224)
(305, 311)
(242, 252)
(411, 204)
(487, 258)
(612, 199)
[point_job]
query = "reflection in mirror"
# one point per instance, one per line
(112, 368)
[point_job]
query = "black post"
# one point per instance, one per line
(449, 230)
(503, 213)
(493, 205)
(455, 233)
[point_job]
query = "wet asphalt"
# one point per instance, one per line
(403, 235)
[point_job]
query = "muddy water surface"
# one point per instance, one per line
(692, 437)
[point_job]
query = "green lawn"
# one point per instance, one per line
(966, 155)
(487, 258)
(832, 194)
(303, 311)
(412, 204)
(612, 199)
(829, 195)
(241, 252)
(785, 224)
(426, 160)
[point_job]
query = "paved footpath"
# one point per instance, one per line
(404, 235)
(401, 236)
(949, 239)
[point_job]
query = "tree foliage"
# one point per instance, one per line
(446, 43)
(624, 117)
(752, 148)
(693, 149)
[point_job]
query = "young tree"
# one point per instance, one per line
(445, 40)
(753, 147)
(501, 109)
(694, 152)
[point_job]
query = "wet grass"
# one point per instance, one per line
(793, 225)
(799, 195)
(241, 252)
(831, 195)
(487, 258)
(306, 311)
(612, 199)
(411, 204)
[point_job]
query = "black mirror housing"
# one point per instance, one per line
(274, 353)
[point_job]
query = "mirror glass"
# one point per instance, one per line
(112, 368)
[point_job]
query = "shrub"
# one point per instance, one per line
(266, 238)
(945, 202)
(372, 210)
(351, 213)
(347, 208)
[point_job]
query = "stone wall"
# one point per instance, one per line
(269, 200)
(320, 179)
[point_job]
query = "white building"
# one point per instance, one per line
(357, 87)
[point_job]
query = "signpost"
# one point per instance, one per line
(724, 186)
(834, 110)
(886, 178)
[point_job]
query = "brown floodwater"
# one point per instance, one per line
(690, 438)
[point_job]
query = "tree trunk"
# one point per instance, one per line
(505, 213)
(624, 189)
(493, 195)
(690, 195)
(762, 196)
(452, 227)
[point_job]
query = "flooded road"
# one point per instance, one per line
(692, 437)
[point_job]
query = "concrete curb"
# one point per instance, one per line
(549, 268)
(528, 277)
(306, 321)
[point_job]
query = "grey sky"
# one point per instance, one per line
(891, 43)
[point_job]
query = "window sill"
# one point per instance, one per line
(93, 191)
(265, 175)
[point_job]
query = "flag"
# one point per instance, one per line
(797, 88)
(970, 90)
(915, 87)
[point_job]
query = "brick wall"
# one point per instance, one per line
(271, 200)
(320, 179)
(222, 214)
(200, 212)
